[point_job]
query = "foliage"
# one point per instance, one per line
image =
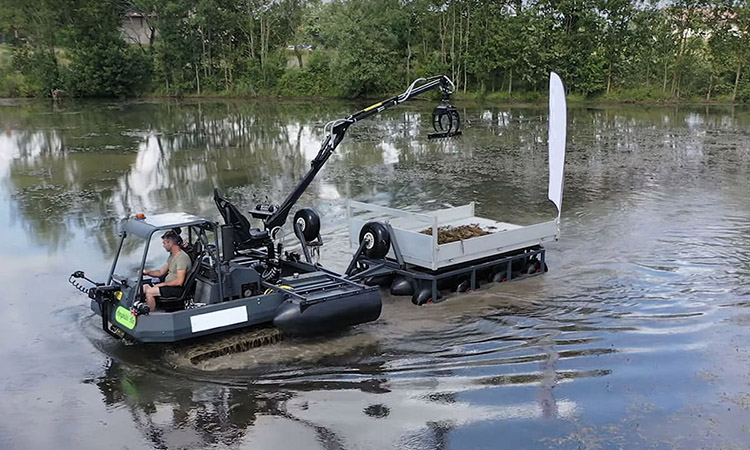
(314, 79)
(613, 49)
(108, 70)
(39, 69)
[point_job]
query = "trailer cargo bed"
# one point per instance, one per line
(422, 250)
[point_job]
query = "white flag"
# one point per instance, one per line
(557, 125)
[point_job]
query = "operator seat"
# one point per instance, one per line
(245, 237)
(170, 304)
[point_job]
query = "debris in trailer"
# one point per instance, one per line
(452, 234)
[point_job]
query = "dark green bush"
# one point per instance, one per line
(109, 69)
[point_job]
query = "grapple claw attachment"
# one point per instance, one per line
(445, 121)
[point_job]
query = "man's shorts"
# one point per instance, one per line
(170, 291)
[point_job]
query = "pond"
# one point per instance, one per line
(636, 338)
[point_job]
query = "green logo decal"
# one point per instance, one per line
(125, 318)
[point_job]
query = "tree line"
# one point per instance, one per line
(616, 49)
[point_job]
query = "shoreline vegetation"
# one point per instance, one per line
(472, 98)
(475, 98)
(606, 51)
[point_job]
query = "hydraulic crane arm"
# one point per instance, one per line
(337, 129)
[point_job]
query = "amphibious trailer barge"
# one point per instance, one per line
(402, 249)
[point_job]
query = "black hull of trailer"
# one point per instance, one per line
(425, 286)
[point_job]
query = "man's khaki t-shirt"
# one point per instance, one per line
(175, 263)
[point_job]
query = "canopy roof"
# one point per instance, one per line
(145, 227)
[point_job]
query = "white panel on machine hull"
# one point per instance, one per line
(217, 319)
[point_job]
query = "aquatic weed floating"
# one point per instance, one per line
(241, 276)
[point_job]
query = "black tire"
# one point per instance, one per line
(377, 238)
(309, 223)
(463, 285)
(535, 266)
(498, 274)
(423, 295)
(499, 277)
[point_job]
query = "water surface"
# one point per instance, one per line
(636, 338)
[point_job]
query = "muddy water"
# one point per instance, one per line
(636, 338)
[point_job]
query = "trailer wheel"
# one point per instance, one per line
(423, 295)
(535, 266)
(498, 274)
(499, 277)
(463, 286)
(538, 268)
(308, 221)
(376, 238)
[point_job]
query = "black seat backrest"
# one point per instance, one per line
(170, 304)
(232, 216)
(194, 250)
(197, 250)
(187, 247)
(189, 283)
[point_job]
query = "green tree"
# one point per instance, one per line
(617, 39)
(739, 43)
(362, 33)
(101, 63)
(35, 27)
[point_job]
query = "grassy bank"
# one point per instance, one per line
(642, 95)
